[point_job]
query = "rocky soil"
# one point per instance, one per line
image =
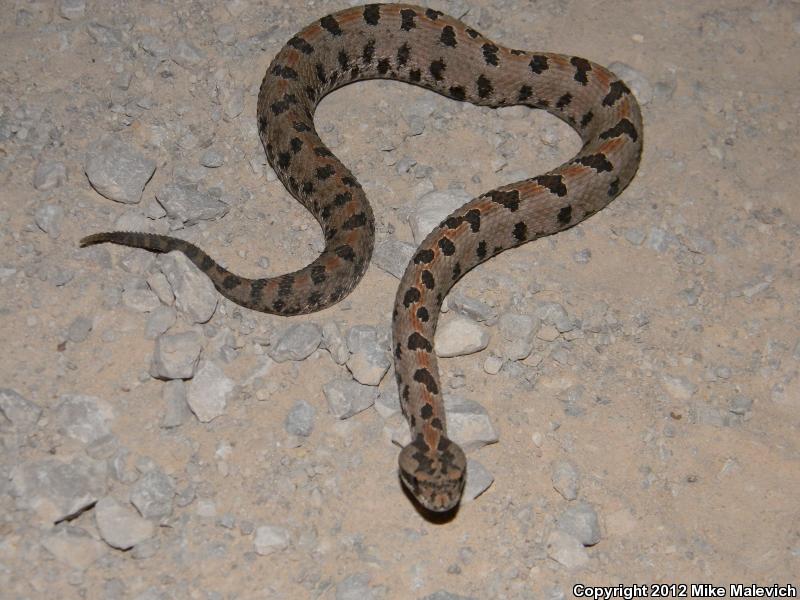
(628, 391)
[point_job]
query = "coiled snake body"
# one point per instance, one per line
(426, 48)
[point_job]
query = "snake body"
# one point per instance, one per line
(427, 48)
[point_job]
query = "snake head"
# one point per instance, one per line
(434, 476)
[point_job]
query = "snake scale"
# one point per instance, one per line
(427, 48)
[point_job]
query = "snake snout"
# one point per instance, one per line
(435, 477)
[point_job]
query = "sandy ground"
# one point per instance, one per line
(673, 397)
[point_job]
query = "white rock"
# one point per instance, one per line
(678, 387)
(72, 9)
(83, 418)
(368, 367)
(492, 365)
(459, 337)
(565, 480)
(74, 547)
(195, 295)
(121, 526)
(176, 355)
(566, 550)
(21, 412)
(333, 341)
(208, 391)
(468, 423)
(270, 538)
(548, 333)
(347, 397)
(118, 171)
(580, 521)
(479, 479)
(56, 490)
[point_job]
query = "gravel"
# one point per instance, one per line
(159, 441)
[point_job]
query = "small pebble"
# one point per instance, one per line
(460, 337)
(117, 170)
(565, 480)
(300, 419)
(270, 539)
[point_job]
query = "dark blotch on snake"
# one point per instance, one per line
(407, 15)
(437, 68)
(473, 217)
(285, 285)
(452, 222)
(403, 54)
(553, 183)
(509, 199)
(457, 92)
(342, 199)
(520, 231)
(490, 54)
(538, 64)
(315, 298)
(345, 252)
(331, 25)
(485, 88)
(624, 127)
(448, 37)
(447, 246)
(423, 256)
(598, 162)
(412, 295)
(417, 341)
(368, 52)
(318, 274)
(582, 68)
(355, 222)
(321, 73)
(299, 43)
(372, 14)
(230, 282)
(616, 91)
(424, 377)
(324, 172)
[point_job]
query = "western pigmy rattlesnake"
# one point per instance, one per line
(426, 48)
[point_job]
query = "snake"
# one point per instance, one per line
(426, 48)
